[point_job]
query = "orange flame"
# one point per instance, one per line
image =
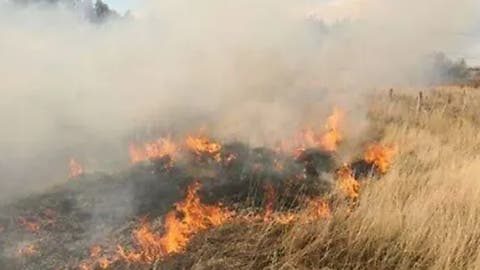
(286, 218)
(96, 260)
(104, 263)
(178, 231)
(75, 169)
(27, 250)
(95, 251)
(29, 225)
(101, 262)
(330, 140)
(347, 184)
(229, 159)
(152, 151)
(327, 140)
(380, 155)
(319, 208)
(84, 266)
(316, 209)
(203, 146)
(278, 165)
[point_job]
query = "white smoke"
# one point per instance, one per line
(255, 69)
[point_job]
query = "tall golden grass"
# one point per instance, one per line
(423, 214)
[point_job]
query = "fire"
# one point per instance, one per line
(326, 139)
(203, 146)
(104, 263)
(159, 149)
(380, 155)
(30, 225)
(229, 159)
(315, 209)
(136, 155)
(347, 184)
(149, 243)
(50, 217)
(27, 250)
(278, 165)
(96, 260)
(330, 140)
(84, 266)
(75, 169)
(95, 255)
(95, 251)
(319, 208)
(195, 217)
(309, 137)
(286, 218)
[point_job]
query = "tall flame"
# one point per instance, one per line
(195, 217)
(75, 168)
(330, 140)
(347, 184)
(327, 139)
(380, 155)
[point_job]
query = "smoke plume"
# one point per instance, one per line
(250, 70)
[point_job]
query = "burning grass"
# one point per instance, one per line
(408, 205)
(195, 217)
(422, 214)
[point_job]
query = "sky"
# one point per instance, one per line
(122, 5)
(471, 52)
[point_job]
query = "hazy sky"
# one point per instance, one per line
(122, 5)
(471, 50)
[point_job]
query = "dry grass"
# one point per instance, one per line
(424, 214)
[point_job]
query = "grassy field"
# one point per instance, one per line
(423, 214)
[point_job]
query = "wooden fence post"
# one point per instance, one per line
(419, 102)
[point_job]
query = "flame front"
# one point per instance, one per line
(203, 146)
(75, 168)
(347, 184)
(380, 155)
(178, 231)
(96, 260)
(152, 151)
